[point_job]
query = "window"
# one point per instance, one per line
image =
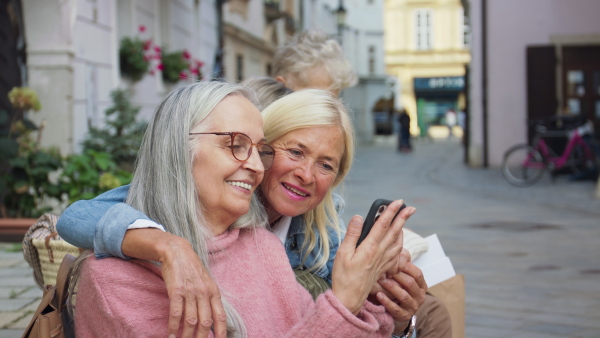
(371, 59)
(423, 23)
(240, 67)
(465, 29)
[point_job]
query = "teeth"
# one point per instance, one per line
(294, 190)
(241, 185)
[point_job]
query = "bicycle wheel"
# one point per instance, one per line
(523, 165)
(584, 158)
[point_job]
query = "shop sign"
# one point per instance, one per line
(455, 83)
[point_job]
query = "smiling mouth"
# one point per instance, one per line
(295, 191)
(240, 185)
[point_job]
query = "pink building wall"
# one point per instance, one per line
(513, 25)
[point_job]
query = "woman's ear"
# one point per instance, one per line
(281, 79)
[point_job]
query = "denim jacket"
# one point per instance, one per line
(295, 238)
(101, 223)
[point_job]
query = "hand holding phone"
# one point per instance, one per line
(377, 208)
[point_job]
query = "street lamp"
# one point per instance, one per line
(340, 18)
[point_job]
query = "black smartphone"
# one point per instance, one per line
(377, 208)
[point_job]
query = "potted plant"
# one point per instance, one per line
(180, 65)
(137, 56)
(25, 167)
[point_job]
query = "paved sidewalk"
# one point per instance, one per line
(530, 255)
(19, 295)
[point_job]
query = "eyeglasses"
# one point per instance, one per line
(241, 148)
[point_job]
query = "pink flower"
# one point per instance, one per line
(194, 71)
(186, 55)
(157, 49)
(142, 28)
(146, 58)
(160, 66)
(147, 44)
(182, 76)
(199, 63)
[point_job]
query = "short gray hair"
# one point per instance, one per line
(163, 185)
(312, 49)
(267, 89)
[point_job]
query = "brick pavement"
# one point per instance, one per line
(530, 255)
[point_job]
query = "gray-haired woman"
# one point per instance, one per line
(196, 174)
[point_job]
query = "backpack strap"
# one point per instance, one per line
(47, 321)
(62, 281)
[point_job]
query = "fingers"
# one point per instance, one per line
(190, 318)
(205, 318)
(397, 311)
(219, 316)
(416, 273)
(352, 233)
(403, 259)
(175, 313)
(394, 231)
(382, 225)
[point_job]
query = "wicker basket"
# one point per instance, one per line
(51, 252)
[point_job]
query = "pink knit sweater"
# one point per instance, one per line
(118, 298)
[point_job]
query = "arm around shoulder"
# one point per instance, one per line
(100, 223)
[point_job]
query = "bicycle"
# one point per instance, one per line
(524, 164)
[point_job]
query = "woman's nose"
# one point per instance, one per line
(254, 162)
(305, 172)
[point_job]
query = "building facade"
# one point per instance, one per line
(427, 49)
(361, 35)
(530, 60)
(72, 52)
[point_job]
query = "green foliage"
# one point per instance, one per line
(122, 135)
(132, 56)
(91, 173)
(174, 66)
(25, 167)
(24, 99)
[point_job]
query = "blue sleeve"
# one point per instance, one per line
(100, 223)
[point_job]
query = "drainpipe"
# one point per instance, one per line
(484, 80)
(218, 68)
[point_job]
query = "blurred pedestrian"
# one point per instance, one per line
(404, 137)
(450, 121)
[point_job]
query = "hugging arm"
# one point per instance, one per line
(102, 224)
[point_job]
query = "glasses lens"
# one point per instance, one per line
(267, 154)
(241, 147)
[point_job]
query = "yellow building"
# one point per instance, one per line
(427, 49)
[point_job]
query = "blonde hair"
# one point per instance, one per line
(266, 88)
(310, 50)
(305, 109)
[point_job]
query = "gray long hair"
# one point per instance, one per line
(163, 186)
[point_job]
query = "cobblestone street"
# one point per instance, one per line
(529, 255)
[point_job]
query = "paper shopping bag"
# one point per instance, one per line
(452, 293)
